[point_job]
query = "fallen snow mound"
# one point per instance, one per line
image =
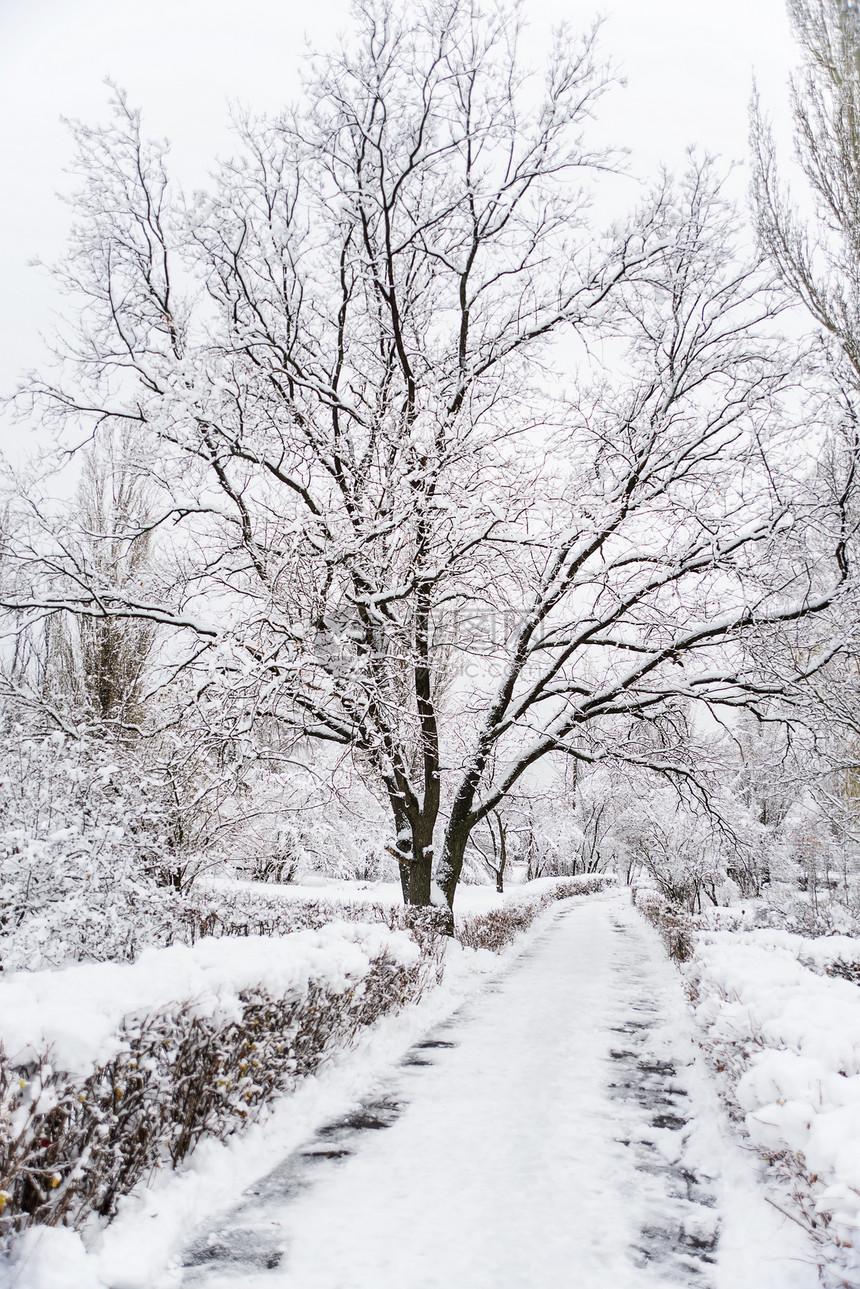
(796, 1036)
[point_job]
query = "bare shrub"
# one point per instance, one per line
(74, 1146)
(496, 929)
(674, 924)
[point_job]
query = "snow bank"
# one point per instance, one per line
(824, 953)
(76, 1013)
(793, 1038)
(51, 1257)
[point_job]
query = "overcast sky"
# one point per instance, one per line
(688, 65)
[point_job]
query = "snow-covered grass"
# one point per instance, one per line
(786, 1041)
(832, 955)
(77, 1016)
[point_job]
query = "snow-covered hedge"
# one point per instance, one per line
(675, 924)
(162, 917)
(159, 917)
(111, 1070)
(786, 1041)
(108, 1071)
(497, 927)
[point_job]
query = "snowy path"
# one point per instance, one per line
(544, 1137)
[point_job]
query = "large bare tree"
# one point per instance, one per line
(391, 526)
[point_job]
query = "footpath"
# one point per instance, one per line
(557, 1131)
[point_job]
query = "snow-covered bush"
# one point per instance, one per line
(498, 927)
(108, 1071)
(103, 837)
(675, 925)
(314, 832)
(81, 840)
(785, 1043)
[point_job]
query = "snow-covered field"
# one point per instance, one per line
(469, 899)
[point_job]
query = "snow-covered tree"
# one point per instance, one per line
(818, 258)
(393, 527)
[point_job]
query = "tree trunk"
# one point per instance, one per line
(456, 837)
(420, 876)
(402, 848)
(421, 862)
(503, 856)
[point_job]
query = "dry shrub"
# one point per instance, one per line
(846, 970)
(496, 929)
(675, 926)
(72, 1146)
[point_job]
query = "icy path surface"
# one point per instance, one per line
(553, 1133)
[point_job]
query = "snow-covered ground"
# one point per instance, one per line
(469, 899)
(568, 1135)
(154, 1223)
(790, 1040)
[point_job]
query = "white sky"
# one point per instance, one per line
(688, 65)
